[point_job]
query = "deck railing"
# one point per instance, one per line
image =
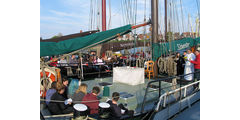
(163, 96)
(159, 81)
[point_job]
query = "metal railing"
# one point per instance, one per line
(163, 96)
(97, 68)
(180, 79)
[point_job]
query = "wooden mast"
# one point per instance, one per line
(103, 15)
(103, 23)
(154, 25)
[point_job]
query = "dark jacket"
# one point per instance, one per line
(65, 93)
(57, 108)
(115, 111)
(77, 97)
(180, 65)
(92, 105)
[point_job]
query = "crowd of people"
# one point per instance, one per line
(188, 63)
(58, 102)
(74, 60)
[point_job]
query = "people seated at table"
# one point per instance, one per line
(94, 59)
(91, 100)
(117, 111)
(73, 61)
(79, 94)
(99, 60)
(51, 91)
(57, 105)
(62, 62)
(121, 61)
(54, 61)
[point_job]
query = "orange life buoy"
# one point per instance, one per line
(51, 76)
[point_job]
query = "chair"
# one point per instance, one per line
(149, 70)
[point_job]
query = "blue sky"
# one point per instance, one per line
(71, 16)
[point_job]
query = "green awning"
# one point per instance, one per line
(176, 45)
(70, 45)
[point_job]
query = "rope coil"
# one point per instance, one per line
(167, 65)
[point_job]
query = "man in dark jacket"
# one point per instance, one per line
(180, 64)
(118, 110)
(57, 108)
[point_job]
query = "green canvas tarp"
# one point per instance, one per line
(176, 45)
(66, 37)
(70, 45)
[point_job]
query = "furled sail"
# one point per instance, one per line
(67, 37)
(77, 43)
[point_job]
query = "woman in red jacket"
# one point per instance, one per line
(196, 63)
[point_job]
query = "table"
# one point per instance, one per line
(128, 75)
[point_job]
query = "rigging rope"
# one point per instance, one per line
(182, 15)
(135, 32)
(109, 22)
(94, 15)
(144, 30)
(98, 14)
(167, 65)
(178, 24)
(90, 16)
(198, 9)
(169, 30)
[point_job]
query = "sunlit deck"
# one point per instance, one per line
(138, 91)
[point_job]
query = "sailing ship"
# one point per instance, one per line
(159, 98)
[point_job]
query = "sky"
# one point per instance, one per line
(71, 16)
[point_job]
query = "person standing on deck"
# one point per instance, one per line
(184, 53)
(189, 67)
(196, 63)
(180, 61)
(184, 62)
